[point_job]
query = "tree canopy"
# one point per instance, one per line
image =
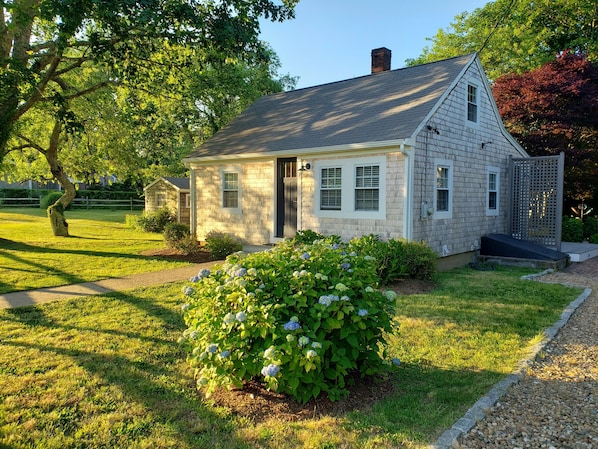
(555, 108)
(56, 55)
(515, 36)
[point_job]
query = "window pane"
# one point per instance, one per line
(442, 177)
(491, 181)
(230, 198)
(231, 181)
(442, 200)
(330, 200)
(367, 176)
(330, 188)
(472, 103)
(492, 200)
(366, 199)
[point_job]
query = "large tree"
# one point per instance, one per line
(553, 109)
(49, 47)
(515, 36)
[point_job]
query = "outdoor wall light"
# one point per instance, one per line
(305, 167)
(485, 143)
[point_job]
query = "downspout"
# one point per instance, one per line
(409, 186)
(193, 217)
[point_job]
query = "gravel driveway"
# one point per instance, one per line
(555, 403)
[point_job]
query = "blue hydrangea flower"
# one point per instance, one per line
(345, 298)
(305, 256)
(194, 279)
(369, 289)
(311, 354)
(203, 273)
(303, 340)
(241, 316)
(345, 265)
(368, 258)
(229, 318)
(188, 291)
(292, 326)
(316, 345)
(241, 272)
(336, 246)
(362, 312)
(225, 354)
(396, 362)
(184, 307)
(271, 370)
(212, 349)
(325, 300)
(193, 335)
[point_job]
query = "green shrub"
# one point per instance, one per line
(303, 319)
(132, 221)
(221, 245)
(307, 236)
(49, 199)
(594, 238)
(173, 232)
(572, 230)
(156, 221)
(178, 236)
(590, 226)
(397, 259)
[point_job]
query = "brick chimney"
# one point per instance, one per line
(381, 60)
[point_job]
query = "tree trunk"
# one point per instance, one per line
(60, 227)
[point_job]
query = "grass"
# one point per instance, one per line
(106, 371)
(100, 247)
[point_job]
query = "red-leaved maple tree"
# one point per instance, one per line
(553, 109)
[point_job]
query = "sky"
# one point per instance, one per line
(332, 40)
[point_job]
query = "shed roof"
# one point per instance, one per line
(178, 183)
(380, 107)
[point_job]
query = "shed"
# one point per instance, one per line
(172, 193)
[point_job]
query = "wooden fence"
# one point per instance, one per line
(79, 203)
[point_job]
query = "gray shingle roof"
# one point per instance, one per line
(383, 106)
(180, 183)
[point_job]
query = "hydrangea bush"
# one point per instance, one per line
(302, 318)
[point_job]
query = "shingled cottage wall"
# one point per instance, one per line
(389, 228)
(254, 223)
(461, 144)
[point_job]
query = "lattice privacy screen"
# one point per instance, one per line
(537, 199)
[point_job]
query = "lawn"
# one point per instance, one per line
(106, 371)
(101, 246)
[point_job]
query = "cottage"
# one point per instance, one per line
(171, 193)
(418, 153)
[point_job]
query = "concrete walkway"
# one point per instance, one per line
(49, 294)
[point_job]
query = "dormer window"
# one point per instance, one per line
(472, 103)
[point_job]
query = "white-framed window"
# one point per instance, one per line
(443, 189)
(492, 189)
(331, 185)
(231, 189)
(188, 200)
(351, 188)
(160, 199)
(367, 187)
(472, 103)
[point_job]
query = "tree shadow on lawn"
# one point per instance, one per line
(154, 379)
(417, 401)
